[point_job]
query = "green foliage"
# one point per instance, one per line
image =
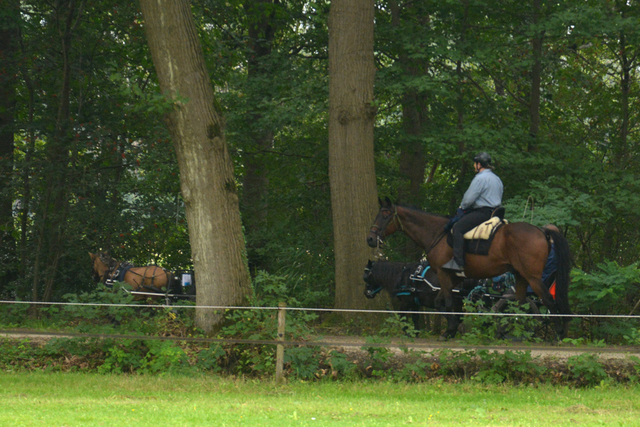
(635, 377)
(456, 364)
(609, 289)
(488, 329)
(210, 358)
(396, 325)
(499, 367)
(602, 290)
(340, 365)
(165, 357)
(304, 362)
(378, 357)
(124, 356)
(413, 371)
(587, 369)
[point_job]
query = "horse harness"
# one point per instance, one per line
(120, 270)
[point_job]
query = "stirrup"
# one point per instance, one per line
(453, 266)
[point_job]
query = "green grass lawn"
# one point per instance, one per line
(119, 400)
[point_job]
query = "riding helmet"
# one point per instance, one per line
(483, 158)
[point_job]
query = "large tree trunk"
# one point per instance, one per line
(351, 165)
(206, 169)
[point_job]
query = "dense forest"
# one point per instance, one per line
(550, 89)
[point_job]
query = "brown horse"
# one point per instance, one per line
(150, 278)
(518, 247)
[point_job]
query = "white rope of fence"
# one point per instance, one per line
(333, 310)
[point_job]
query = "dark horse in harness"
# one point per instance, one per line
(150, 278)
(519, 247)
(412, 288)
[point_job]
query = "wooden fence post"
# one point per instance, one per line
(280, 347)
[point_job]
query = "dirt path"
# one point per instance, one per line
(399, 346)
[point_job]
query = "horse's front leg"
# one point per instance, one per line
(444, 303)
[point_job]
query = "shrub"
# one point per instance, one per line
(586, 369)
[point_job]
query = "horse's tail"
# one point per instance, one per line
(563, 271)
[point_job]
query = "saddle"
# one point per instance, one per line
(485, 230)
(478, 240)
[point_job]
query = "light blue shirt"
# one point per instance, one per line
(485, 191)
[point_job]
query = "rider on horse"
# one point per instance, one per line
(480, 200)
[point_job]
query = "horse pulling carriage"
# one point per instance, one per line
(149, 281)
(519, 248)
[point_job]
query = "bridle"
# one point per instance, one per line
(112, 270)
(368, 291)
(379, 230)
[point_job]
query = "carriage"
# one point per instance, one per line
(145, 282)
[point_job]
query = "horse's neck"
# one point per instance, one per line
(386, 275)
(422, 227)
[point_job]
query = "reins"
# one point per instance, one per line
(378, 231)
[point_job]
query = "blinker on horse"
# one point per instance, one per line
(149, 278)
(519, 247)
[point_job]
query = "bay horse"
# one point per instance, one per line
(149, 278)
(518, 247)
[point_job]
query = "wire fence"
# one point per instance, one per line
(318, 309)
(280, 342)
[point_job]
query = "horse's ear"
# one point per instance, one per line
(369, 264)
(380, 201)
(93, 256)
(388, 201)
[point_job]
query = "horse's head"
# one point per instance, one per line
(102, 264)
(385, 224)
(371, 289)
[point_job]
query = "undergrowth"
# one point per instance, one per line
(161, 340)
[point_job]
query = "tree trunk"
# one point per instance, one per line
(536, 78)
(53, 214)
(9, 24)
(415, 113)
(351, 163)
(255, 183)
(206, 170)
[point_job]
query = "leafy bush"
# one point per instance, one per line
(165, 357)
(123, 356)
(211, 358)
(340, 365)
(608, 290)
(587, 369)
(304, 362)
(488, 329)
(396, 325)
(507, 366)
(611, 289)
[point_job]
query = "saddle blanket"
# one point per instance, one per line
(485, 230)
(478, 240)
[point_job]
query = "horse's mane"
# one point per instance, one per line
(386, 273)
(106, 259)
(422, 211)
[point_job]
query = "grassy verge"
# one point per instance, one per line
(57, 399)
